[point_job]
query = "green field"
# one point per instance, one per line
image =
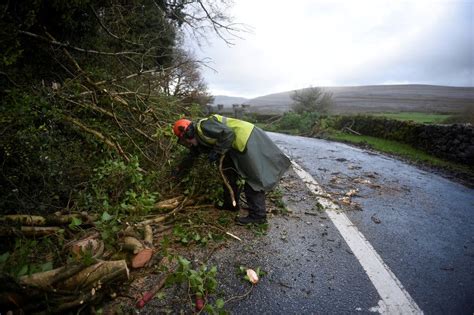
(416, 117)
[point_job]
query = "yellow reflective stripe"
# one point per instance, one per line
(208, 140)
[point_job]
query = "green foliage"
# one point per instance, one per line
(291, 120)
(23, 259)
(403, 131)
(201, 282)
(204, 179)
(108, 226)
(121, 188)
(43, 160)
(258, 229)
(295, 123)
(187, 236)
(276, 197)
(202, 228)
(75, 224)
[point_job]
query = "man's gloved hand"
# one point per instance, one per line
(213, 156)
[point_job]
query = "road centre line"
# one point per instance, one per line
(394, 298)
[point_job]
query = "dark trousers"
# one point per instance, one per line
(255, 199)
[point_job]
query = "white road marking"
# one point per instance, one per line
(395, 299)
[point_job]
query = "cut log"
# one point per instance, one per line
(23, 219)
(37, 220)
(130, 231)
(169, 203)
(42, 280)
(46, 280)
(162, 218)
(132, 244)
(28, 230)
(62, 219)
(148, 235)
(142, 258)
(39, 230)
(154, 220)
(103, 271)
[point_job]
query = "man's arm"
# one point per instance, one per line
(186, 163)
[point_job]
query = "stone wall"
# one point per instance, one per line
(452, 142)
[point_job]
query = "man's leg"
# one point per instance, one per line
(257, 209)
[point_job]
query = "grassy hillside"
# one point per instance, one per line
(381, 98)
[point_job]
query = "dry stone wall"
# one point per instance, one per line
(453, 142)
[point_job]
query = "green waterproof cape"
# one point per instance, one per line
(261, 163)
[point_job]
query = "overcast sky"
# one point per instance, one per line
(301, 43)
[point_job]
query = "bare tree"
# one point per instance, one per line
(312, 99)
(183, 79)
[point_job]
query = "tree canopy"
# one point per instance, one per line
(83, 82)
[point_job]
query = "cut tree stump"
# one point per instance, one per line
(142, 258)
(103, 271)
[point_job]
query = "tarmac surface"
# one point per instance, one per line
(419, 223)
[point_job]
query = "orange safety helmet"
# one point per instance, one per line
(180, 127)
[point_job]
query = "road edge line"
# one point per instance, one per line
(395, 299)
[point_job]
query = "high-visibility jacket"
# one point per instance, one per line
(241, 129)
(256, 158)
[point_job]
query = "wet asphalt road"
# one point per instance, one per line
(421, 225)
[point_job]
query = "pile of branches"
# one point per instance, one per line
(93, 266)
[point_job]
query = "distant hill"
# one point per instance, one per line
(379, 98)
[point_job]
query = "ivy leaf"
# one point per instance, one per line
(23, 271)
(4, 257)
(220, 303)
(47, 266)
(75, 222)
(106, 216)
